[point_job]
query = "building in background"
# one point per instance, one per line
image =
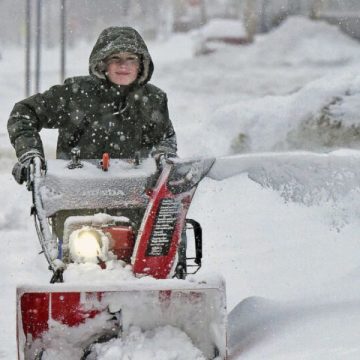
(160, 18)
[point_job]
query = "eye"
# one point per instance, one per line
(132, 58)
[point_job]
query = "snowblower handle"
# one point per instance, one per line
(75, 162)
(198, 240)
(47, 242)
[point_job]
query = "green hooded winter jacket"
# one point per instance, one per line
(96, 115)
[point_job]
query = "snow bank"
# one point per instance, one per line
(261, 329)
(300, 41)
(321, 115)
(287, 90)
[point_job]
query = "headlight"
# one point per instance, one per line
(85, 245)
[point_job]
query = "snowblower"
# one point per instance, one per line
(107, 212)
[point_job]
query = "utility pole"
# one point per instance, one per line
(28, 48)
(63, 40)
(250, 18)
(203, 12)
(38, 45)
(263, 16)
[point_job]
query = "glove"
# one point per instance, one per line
(162, 159)
(20, 170)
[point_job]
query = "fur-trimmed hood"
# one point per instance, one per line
(120, 39)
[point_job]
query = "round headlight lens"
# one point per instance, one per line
(85, 245)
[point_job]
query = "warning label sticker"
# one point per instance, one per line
(160, 239)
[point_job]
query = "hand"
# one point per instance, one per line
(20, 170)
(163, 158)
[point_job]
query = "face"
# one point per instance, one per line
(122, 68)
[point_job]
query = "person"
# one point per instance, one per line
(114, 109)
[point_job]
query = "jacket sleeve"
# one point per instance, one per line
(167, 143)
(30, 115)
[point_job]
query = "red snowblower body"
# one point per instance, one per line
(118, 212)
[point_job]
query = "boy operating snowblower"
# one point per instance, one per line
(113, 110)
(116, 192)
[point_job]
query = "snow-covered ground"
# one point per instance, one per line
(285, 238)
